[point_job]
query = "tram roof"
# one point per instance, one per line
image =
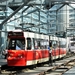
(36, 35)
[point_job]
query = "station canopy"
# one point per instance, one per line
(39, 24)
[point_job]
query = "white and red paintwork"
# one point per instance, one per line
(31, 57)
(27, 57)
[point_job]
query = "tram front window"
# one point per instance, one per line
(16, 44)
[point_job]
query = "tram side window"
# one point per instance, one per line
(55, 44)
(50, 43)
(42, 44)
(29, 43)
(46, 44)
(62, 44)
(38, 44)
(35, 44)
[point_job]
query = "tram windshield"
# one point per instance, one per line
(16, 44)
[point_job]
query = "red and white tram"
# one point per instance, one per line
(28, 48)
(32, 48)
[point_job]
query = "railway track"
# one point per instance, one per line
(58, 68)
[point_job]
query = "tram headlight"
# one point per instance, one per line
(20, 55)
(10, 55)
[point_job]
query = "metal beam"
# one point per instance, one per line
(25, 3)
(33, 25)
(71, 29)
(71, 6)
(25, 14)
(25, 9)
(60, 7)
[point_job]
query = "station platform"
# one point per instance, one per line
(3, 62)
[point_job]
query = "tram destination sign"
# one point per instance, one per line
(15, 33)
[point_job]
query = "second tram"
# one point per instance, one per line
(71, 45)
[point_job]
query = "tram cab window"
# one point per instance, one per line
(16, 44)
(28, 43)
(20, 44)
(11, 44)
